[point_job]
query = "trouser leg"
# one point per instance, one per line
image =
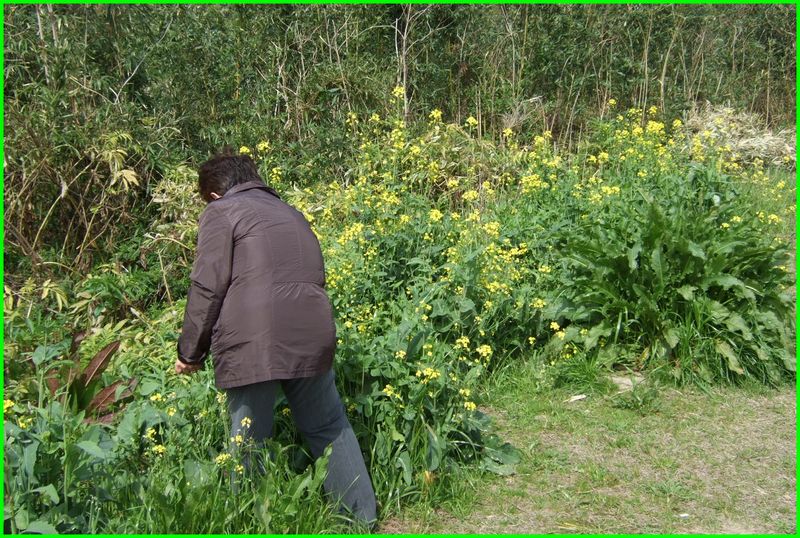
(251, 411)
(319, 415)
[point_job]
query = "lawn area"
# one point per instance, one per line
(722, 461)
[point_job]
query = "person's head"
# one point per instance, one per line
(222, 172)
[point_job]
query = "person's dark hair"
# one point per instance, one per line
(223, 171)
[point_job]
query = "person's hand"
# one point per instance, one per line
(183, 368)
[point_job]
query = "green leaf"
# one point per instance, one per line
(595, 333)
(40, 527)
(404, 463)
(724, 349)
(735, 322)
(492, 466)
(727, 282)
(92, 449)
(633, 255)
(671, 336)
(29, 459)
(656, 263)
(49, 491)
(414, 346)
(695, 250)
(687, 292)
(43, 354)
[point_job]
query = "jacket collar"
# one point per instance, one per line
(250, 185)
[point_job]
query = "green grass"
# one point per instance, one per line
(715, 461)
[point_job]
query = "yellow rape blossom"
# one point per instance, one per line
(222, 459)
(484, 351)
(244, 150)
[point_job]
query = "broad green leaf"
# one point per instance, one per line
(488, 464)
(92, 449)
(633, 255)
(735, 322)
(687, 292)
(49, 491)
(671, 336)
(595, 333)
(724, 349)
(40, 527)
(404, 463)
(414, 346)
(29, 459)
(695, 250)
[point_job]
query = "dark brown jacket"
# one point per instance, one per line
(257, 299)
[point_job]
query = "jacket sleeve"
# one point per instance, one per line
(211, 276)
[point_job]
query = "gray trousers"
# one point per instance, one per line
(319, 415)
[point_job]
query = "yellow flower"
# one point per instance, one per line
(246, 422)
(244, 150)
(470, 406)
(405, 219)
(221, 397)
(561, 334)
(238, 439)
(554, 325)
(222, 459)
(546, 269)
(157, 397)
(724, 225)
(401, 354)
(472, 122)
(507, 132)
(538, 303)
(262, 146)
(653, 110)
(435, 115)
(484, 351)
(677, 124)
(375, 118)
(398, 92)
(150, 434)
(24, 422)
(159, 450)
(239, 468)
(470, 195)
(435, 215)
(286, 411)
(7, 404)
(464, 392)
(462, 342)
(612, 102)
(171, 411)
(531, 340)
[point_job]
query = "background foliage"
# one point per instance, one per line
(101, 100)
